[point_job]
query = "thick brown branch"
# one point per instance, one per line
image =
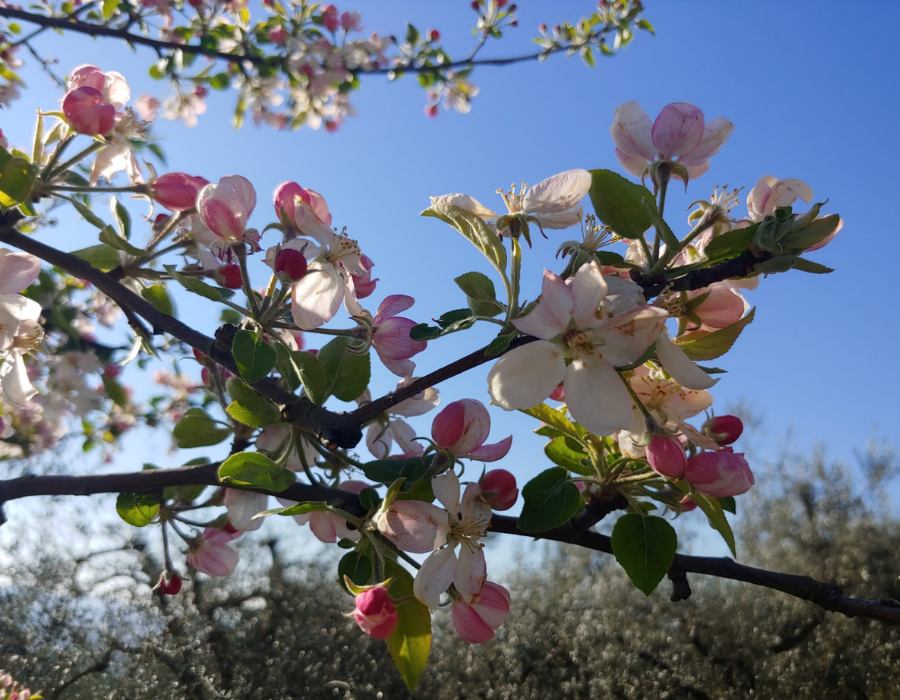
(333, 428)
(825, 595)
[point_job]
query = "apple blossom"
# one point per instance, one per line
(462, 428)
(111, 85)
(211, 554)
(295, 202)
(177, 191)
(225, 207)
(476, 621)
(680, 133)
(330, 527)
(375, 612)
(569, 321)
(290, 262)
(87, 112)
(390, 336)
(271, 441)
(721, 306)
(770, 193)
(390, 427)
(363, 284)
(242, 506)
(719, 474)
(498, 489)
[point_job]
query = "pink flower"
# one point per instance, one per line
(277, 35)
(391, 336)
(87, 112)
(229, 276)
(462, 427)
(666, 456)
(351, 21)
(770, 193)
(724, 429)
(226, 207)
(475, 623)
(329, 527)
(680, 133)
(722, 306)
(17, 271)
(718, 474)
(211, 554)
(498, 489)
(375, 612)
(177, 191)
(289, 197)
(112, 85)
(363, 284)
(330, 18)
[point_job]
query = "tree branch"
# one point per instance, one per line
(825, 595)
(338, 429)
(71, 24)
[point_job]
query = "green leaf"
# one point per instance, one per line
(137, 509)
(122, 217)
(157, 295)
(220, 81)
(16, 180)
(730, 244)
(197, 429)
(109, 8)
(250, 408)
(568, 453)
(607, 257)
(347, 374)
(450, 322)
(192, 284)
(500, 343)
(551, 499)
(104, 257)
(481, 294)
(714, 511)
(555, 419)
(256, 470)
(254, 357)
(115, 391)
(412, 34)
(672, 243)
(474, 230)
(815, 268)
(814, 232)
(312, 376)
(386, 471)
(728, 503)
(296, 509)
(618, 203)
(357, 566)
(410, 641)
(645, 547)
(87, 214)
(111, 238)
(702, 346)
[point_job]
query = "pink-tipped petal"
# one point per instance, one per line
(677, 130)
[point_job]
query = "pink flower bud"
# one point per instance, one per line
(289, 196)
(666, 456)
(278, 35)
(724, 429)
(169, 583)
(87, 112)
(229, 276)
(226, 207)
(330, 18)
(351, 21)
(462, 428)
(292, 263)
(432, 111)
(211, 554)
(331, 126)
(476, 623)
(722, 307)
(499, 490)
(434, 35)
(718, 474)
(687, 504)
(559, 393)
(375, 613)
(177, 191)
(364, 284)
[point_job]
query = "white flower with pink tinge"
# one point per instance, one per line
(389, 428)
(390, 336)
(462, 429)
(20, 329)
(329, 527)
(420, 527)
(570, 322)
(680, 134)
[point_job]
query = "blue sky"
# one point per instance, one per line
(810, 86)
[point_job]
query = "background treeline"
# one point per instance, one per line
(82, 627)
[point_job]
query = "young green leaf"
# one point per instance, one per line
(410, 641)
(551, 499)
(568, 453)
(619, 203)
(256, 470)
(645, 547)
(703, 346)
(137, 509)
(254, 357)
(197, 429)
(347, 374)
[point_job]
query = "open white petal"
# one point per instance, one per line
(435, 577)
(628, 335)
(318, 296)
(446, 490)
(588, 289)
(679, 367)
(596, 396)
(557, 193)
(465, 201)
(526, 376)
(553, 311)
(471, 573)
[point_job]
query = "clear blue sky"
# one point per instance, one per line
(810, 86)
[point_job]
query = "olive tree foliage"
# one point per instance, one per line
(580, 629)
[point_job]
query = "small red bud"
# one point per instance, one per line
(331, 126)
(229, 528)
(432, 111)
(229, 276)
(502, 3)
(476, 5)
(169, 583)
(292, 263)
(499, 489)
(434, 35)
(724, 429)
